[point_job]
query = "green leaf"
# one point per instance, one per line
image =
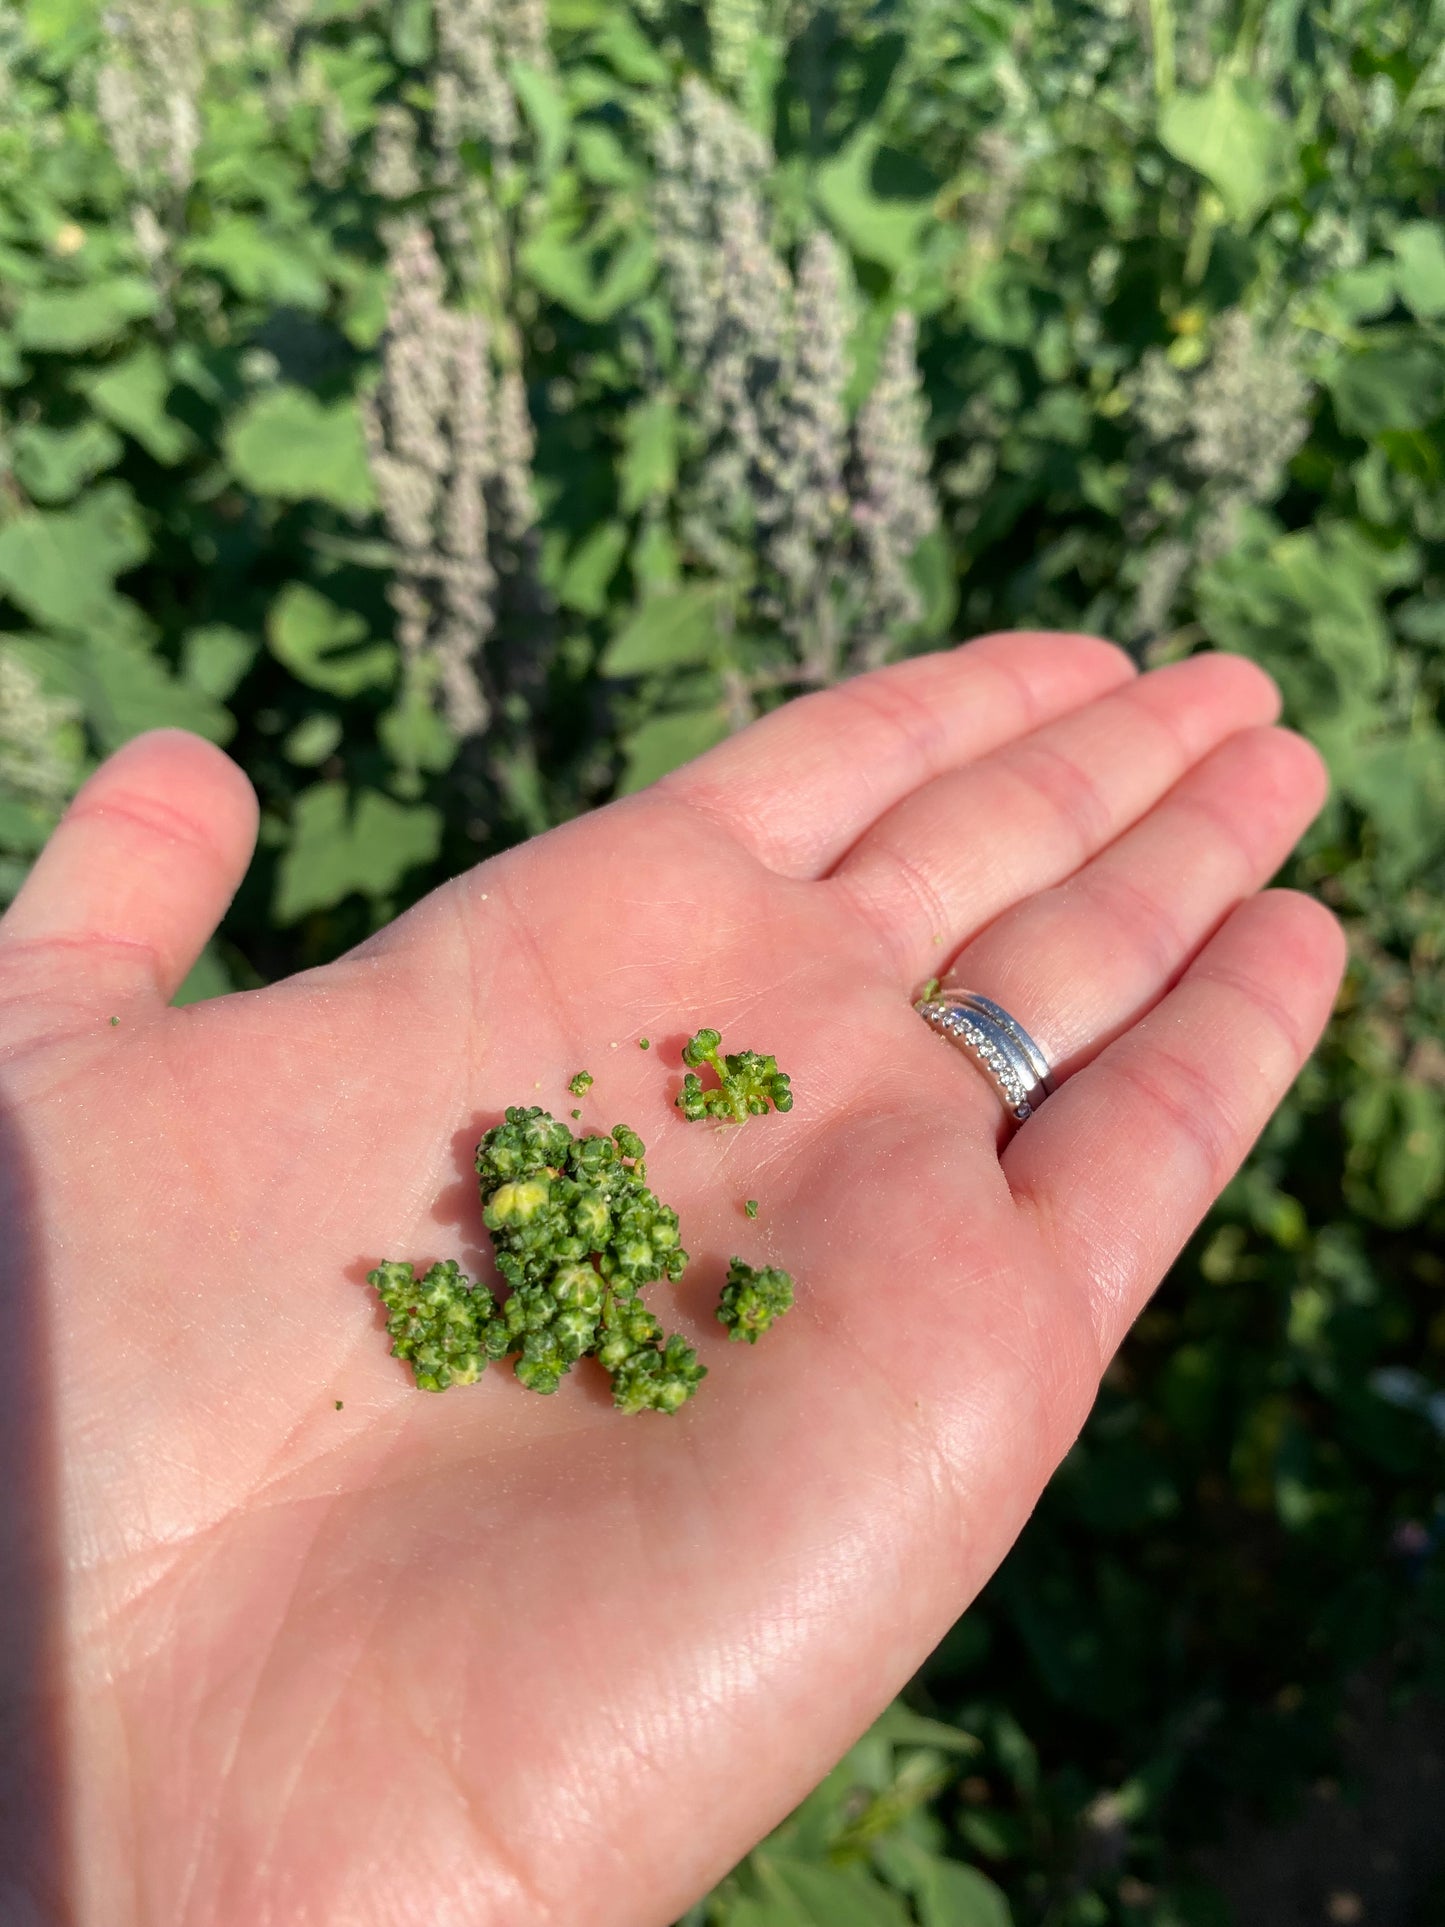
(1422, 620)
(1310, 610)
(601, 158)
(1396, 1166)
(60, 568)
(669, 632)
(1000, 306)
(936, 578)
(215, 657)
(340, 844)
(312, 740)
(324, 646)
(951, 1894)
(67, 320)
(128, 689)
(1385, 388)
(24, 830)
(946, 1893)
(1363, 293)
(362, 318)
(546, 109)
(901, 1726)
(649, 453)
(263, 266)
(876, 201)
(412, 32)
(594, 281)
(287, 443)
(1398, 780)
(54, 464)
(665, 743)
(591, 567)
(1420, 272)
(207, 977)
(1331, 574)
(655, 562)
(1230, 135)
(825, 1896)
(132, 393)
(415, 736)
(623, 44)
(747, 1912)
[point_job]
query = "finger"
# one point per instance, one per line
(1080, 963)
(135, 878)
(1121, 1164)
(962, 849)
(798, 787)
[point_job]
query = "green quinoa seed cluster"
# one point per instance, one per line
(751, 1300)
(578, 1236)
(435, 1321)
(747, 1082)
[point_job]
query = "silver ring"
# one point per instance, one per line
(997, 1042)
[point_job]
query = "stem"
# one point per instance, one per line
(1161, 40)
(1201, 240)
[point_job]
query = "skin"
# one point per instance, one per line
(491, 1658)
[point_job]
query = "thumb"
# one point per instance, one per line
(133, 881)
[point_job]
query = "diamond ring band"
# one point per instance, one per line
(997, 1042)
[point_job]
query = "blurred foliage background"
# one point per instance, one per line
(465, 410)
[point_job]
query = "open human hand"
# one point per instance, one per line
(489, 1659)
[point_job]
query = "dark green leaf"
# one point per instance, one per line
(1380, 388)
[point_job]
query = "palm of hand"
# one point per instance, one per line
(491, 1657)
